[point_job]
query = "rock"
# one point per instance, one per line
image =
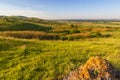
(95, 68)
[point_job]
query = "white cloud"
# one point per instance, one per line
(9, 10)
(28, 13)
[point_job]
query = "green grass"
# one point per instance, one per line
(51, 60)
(55, 30)
(24, 27)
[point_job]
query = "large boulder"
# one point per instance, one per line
(95, 68)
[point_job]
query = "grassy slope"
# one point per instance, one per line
(23, 24)
(51, 60)
(54, 30)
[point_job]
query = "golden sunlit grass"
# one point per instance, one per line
(25, 59)
(46, 52)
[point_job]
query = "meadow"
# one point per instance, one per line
(32, 54)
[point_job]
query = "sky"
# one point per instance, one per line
(62, 9)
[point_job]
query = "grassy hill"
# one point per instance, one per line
(37, 49)
(54, 30)
(18, 23)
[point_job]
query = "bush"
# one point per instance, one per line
(51, 36)
(95, 34)
(75, 31)
(63, 31)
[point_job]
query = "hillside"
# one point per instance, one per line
(20, 23)
(34, 28)
(37, 49)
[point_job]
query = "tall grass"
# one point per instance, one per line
(51, 36)
(51, 60)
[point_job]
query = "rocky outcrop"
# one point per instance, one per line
(95, 68)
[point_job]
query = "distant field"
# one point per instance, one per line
(36, 49)
(33, 28)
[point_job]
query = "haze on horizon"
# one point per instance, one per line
(62, 9)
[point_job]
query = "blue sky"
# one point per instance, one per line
(62, 9)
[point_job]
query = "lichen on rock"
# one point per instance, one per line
(95, 68)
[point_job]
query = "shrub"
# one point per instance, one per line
(75, 31)
(95, 34)
(51, 36)
(63, 31)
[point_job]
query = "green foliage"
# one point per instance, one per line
(74, 26)
(75, 31)
(97, 34)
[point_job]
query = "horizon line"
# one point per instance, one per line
(63, 18)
